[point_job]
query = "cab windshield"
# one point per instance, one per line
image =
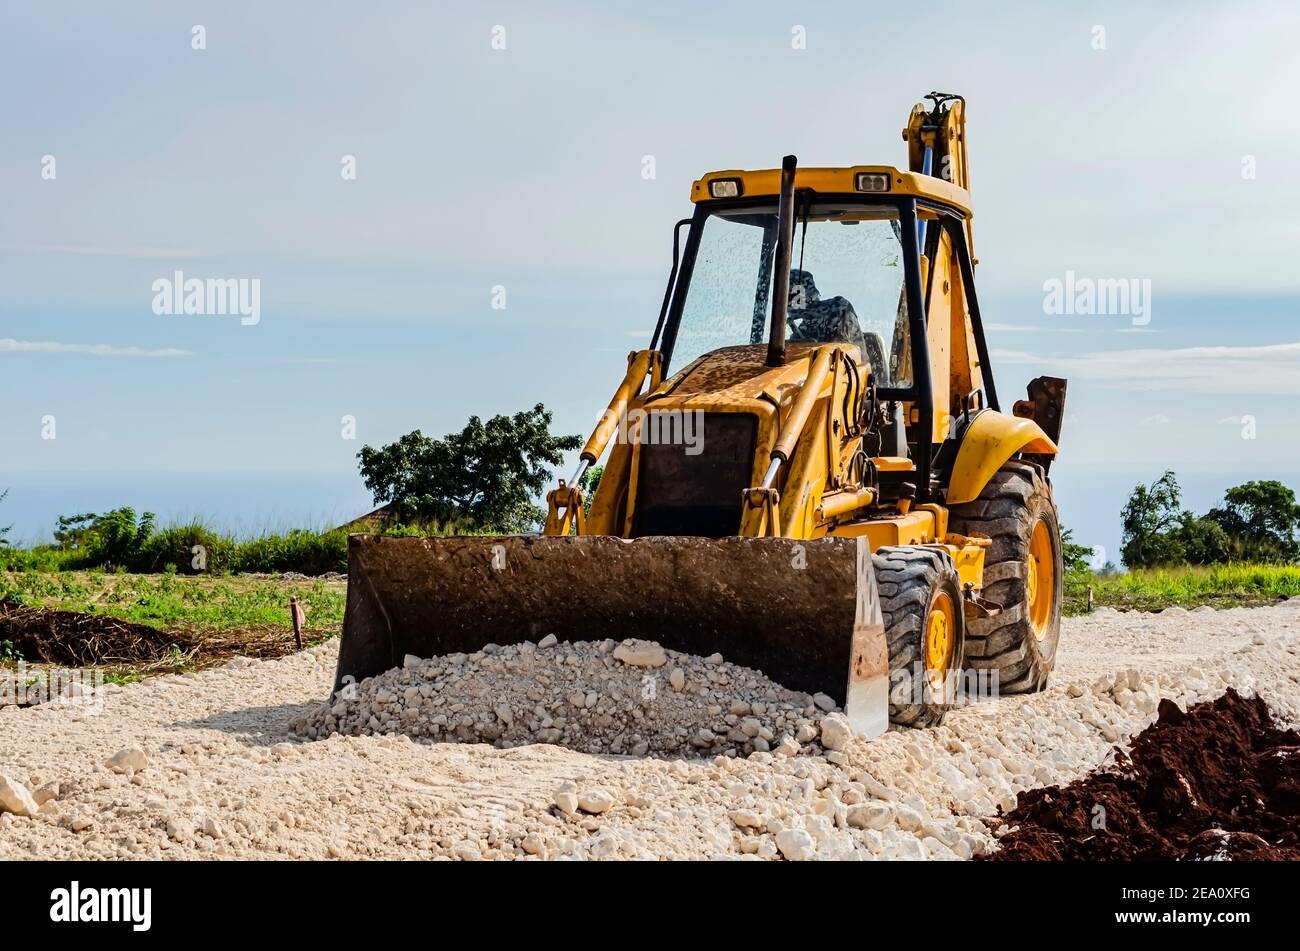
(846, 284)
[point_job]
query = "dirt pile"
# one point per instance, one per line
(1218, 782)
(595, 697)
(75, 639)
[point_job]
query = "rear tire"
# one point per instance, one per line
(920, 598)
(1023, 572)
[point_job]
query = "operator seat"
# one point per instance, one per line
(831, 321)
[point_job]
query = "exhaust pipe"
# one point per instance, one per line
(781, 280)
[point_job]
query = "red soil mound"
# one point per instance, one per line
(1217, 782)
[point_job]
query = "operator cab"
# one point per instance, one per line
(846, 281)
(862, 247)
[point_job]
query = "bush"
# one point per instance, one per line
(191, 549)
(118, 541)
(1203, 542)
(1076, 557)
(1151, 520)
(40, 558)
(4, 529)
(1261, 518)
(114, 540)
(303, 551)
(432, 528)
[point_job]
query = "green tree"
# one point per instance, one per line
(1151, 520)
(114, 539)
(4, 529)
(1261, 518)
(1203, 541)
(1077, 558)
(488, 473)
(588, 483)
(72, 530)
(117, 538)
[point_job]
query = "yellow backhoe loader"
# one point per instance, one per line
(809, 470)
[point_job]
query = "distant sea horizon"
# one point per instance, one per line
(244, 503)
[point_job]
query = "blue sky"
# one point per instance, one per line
(522, 167)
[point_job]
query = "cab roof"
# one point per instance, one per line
(836, 181)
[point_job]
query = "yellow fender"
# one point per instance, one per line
(991, 439)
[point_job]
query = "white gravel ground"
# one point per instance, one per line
(215, 771)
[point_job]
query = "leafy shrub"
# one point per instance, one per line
(192, 549)
(114, 540)
(1075, 556)
(433, 528)
(40, 558)
(4, 529)
(1203, 542)
(300, 550)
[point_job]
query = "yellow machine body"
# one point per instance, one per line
(698, 551)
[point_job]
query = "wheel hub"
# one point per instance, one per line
(940, 639)
(1040, 579)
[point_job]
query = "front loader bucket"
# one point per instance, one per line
(803, 612)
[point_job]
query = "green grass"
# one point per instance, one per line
(1154, 589)
(40, 558)
(123, 676)
(171, 601)
(302, 550)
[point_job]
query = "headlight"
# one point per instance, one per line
(872, 182)
(725, 188)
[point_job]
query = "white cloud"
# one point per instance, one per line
(1270, 369)
(1031, 329)
(1157, 419)
(1093, 327)
(9, 345)
(109, 252)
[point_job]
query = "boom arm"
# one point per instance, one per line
(936, 143)
(936, 139)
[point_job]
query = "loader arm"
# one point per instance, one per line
(565, 503)
(763, 502)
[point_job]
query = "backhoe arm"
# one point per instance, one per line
(936, 144)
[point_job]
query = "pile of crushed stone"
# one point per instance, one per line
(633, 697)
